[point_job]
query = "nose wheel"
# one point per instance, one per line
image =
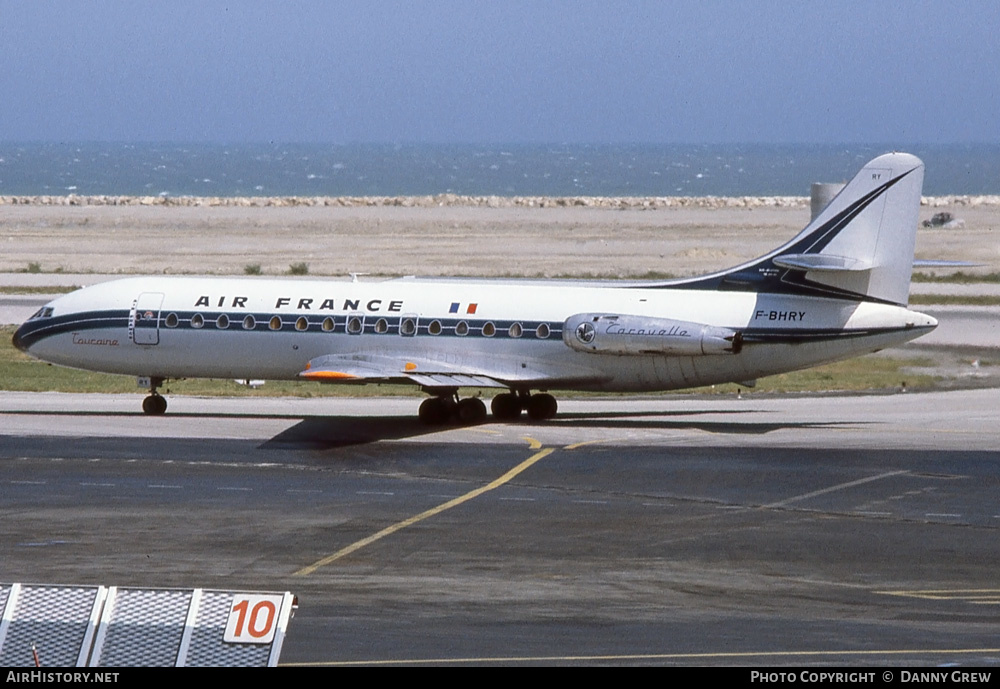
(154, 404)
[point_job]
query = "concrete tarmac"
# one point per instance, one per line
(793, 530)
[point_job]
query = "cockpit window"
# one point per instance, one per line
(44, 312)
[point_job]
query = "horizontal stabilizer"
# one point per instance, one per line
(821, 263)
(933, 263)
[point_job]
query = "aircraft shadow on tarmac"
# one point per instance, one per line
(328, 432)
(655, 420)
(320, 432)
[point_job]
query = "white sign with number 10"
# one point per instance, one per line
(252, 619)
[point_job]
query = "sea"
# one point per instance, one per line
(274, 169)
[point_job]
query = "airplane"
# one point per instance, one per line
(836, 290)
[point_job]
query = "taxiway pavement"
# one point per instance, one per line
(710, 530)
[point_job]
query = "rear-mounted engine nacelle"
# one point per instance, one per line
(622, 334)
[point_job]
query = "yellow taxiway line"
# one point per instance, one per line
(398, 526)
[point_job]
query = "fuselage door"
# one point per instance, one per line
(144, 321)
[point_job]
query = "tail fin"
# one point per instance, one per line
(859, 247)
(863, 241)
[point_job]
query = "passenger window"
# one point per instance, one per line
(222, 322)
(489, 330)
(355, 325)
(197, 320)
(462, 328)
(171, 320)
(542, 331)
(275, 323)
(302, 323)
(381, 326)
(328, 325)
(434, 328)
(249, 323)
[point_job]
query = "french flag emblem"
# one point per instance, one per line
(456, 307)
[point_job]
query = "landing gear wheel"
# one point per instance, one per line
(154, 405)
(506, 407)
(541, 407)
(471, 410)
(435, 411)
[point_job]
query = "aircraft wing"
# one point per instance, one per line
(428, 372)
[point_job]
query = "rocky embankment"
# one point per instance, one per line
(443, 200)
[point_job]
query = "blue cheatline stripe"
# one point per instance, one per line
(33, 331)
(774, 336)
(372, 324)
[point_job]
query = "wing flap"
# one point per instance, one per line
(449, 380)
(426, 372)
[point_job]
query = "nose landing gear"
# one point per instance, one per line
(154, 404)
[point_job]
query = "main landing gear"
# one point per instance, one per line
(447, 407)
(444, 408)
(155, 404)
(509, 405)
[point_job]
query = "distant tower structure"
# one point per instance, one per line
(821, 194)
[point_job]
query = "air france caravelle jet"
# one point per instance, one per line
(838, 289)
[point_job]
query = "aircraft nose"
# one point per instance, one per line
(18, 340)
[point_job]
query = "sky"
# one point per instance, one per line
(706, 71)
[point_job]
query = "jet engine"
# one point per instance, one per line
(602, 333)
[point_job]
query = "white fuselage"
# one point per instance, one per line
(259, 328)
